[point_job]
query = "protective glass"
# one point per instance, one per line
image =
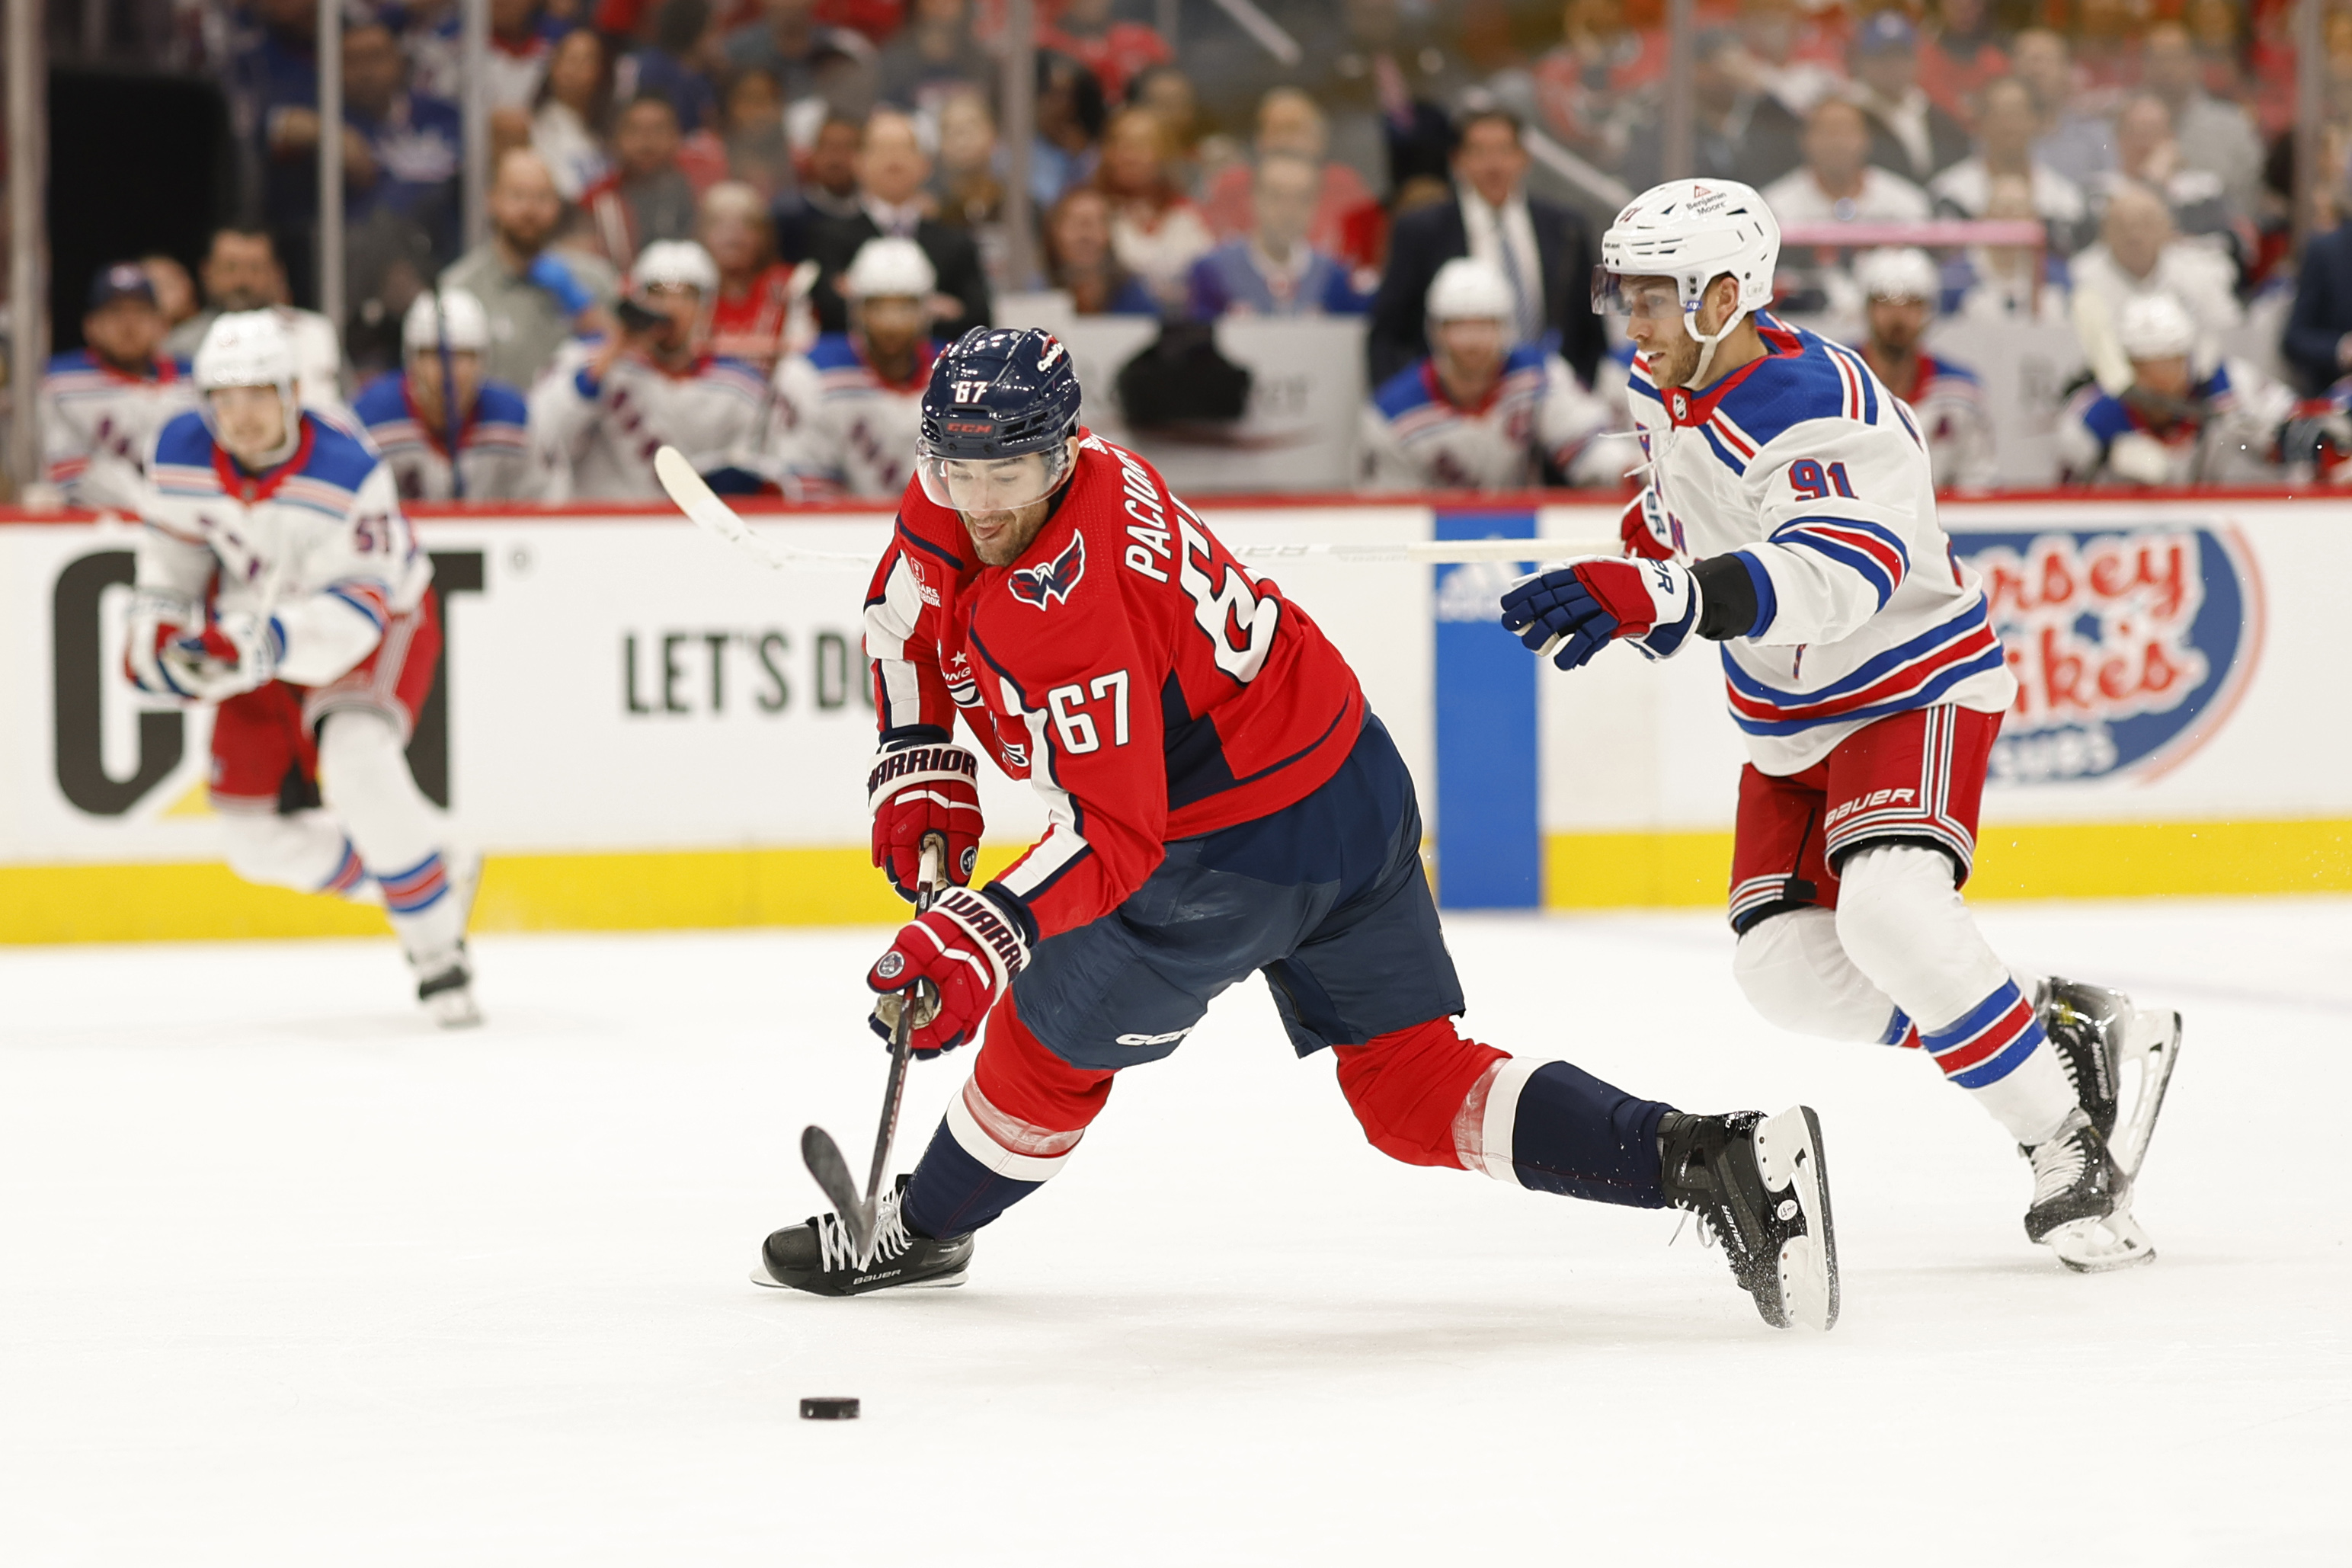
(1654, 298)
(993, 484)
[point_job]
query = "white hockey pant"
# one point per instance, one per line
(1902, 950)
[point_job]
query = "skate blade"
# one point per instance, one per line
(2151, 1044)
(2098, 1245)
(1789, 1156)
(762, 1279)
(454, 1009)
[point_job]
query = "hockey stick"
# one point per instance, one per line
(820, 1154)
(702, 504)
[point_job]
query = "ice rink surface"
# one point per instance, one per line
(288, 1279)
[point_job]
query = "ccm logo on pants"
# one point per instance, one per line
(1170, 1039)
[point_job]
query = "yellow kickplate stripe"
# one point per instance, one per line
(2067, 860)
(686, 890)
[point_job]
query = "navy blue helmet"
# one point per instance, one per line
(999, 392)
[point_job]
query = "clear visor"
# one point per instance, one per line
(1651, 299)
(993, 484)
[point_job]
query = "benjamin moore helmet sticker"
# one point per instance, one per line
(2130, 647)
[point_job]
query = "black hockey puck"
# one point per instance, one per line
(829, 1410)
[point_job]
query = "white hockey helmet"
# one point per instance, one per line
(889, 267)
(1692, 231)
(451, 317)
(2155, 326)
(1898, 272)
(249, 347)
(679, 263)
(1469, 290)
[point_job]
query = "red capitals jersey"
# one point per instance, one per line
(1139, 676)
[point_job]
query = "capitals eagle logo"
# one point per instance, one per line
(1051, 584)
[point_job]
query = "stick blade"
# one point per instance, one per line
(701, 504)
(823, 1157)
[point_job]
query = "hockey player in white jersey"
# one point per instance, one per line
(1792, 519)
(412, 421)
(606, 405)
(845, 415)
(1899, 289)
(279, 582)
(101, 404)
(2176, 423)
(1478, 413)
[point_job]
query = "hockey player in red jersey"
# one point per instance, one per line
(1221, 802)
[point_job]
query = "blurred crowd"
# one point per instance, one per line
(743, 226)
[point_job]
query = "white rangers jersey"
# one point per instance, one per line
(1417, 438)
(1946, 403)
(493, 449)
(319, 541)
(597, 440)
(98, 424)
(836, 427)
(2231, 437)
(1804, 468)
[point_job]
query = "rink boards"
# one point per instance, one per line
(644, 729)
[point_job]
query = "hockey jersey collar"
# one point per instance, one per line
(163, 371)
(434, 434)
(248, 487)
(1687, 407)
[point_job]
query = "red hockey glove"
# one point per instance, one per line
(919, 787)
(237, 653)
(967, 948)
(1645, 529)
(158, 619)
(1582, 606)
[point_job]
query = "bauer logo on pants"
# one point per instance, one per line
(2130, 646)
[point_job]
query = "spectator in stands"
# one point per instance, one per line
(1478, 412)
(1289, 125)
(676, 66)
(2318, 339)
(828, 190)
(413, 144)
(1070, 119)
(1794, 58)
(970, 194)
(2148, 154)
(755, 300)
(1961, 55)
(1079, 260)
(892, 170)
(2071, 139)
(1838, 182)
(1544, 252)
(2139, 254)
(241, 273)
(1167, 92)
(1740, 131)
(1274, 271)
(1909, 134)
(647, 196)
(757, 152)
(412, 414)
(932, 55)
(802, 55)
(1114, 50)
(523, 36)
(1588, 88)
(176, 292)
(2006, 129)
(102, 404)
(1155, 229)
(2214, 136)
(1997, 282)
(846, 415)
(537, 297)
(2175, 421)
(1900, 288)
(575, 102)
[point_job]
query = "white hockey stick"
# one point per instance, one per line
(711, 514)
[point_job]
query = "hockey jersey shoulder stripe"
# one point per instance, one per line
(184, 441)
(501, 404)
(834, 350)
(339, 459)
(381, 401)
(1405, 391)
(1715, 444)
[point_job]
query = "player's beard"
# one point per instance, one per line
(998, 538)
(1674, 359)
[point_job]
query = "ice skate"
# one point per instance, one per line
(2119, 1057)
(819, 1255)
(2081, 1201)
(1728, 1170)
(445, 989)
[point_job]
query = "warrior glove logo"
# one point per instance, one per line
(1046, 585)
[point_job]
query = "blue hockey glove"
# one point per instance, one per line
(1577, 608)
(548, 271)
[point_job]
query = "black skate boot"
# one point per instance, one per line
(2081, 1201)
(1759, 1183)
(2118, 1056)
(818, 1255)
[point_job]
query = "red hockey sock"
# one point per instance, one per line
(1039, 1102)
(1408, 1087)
